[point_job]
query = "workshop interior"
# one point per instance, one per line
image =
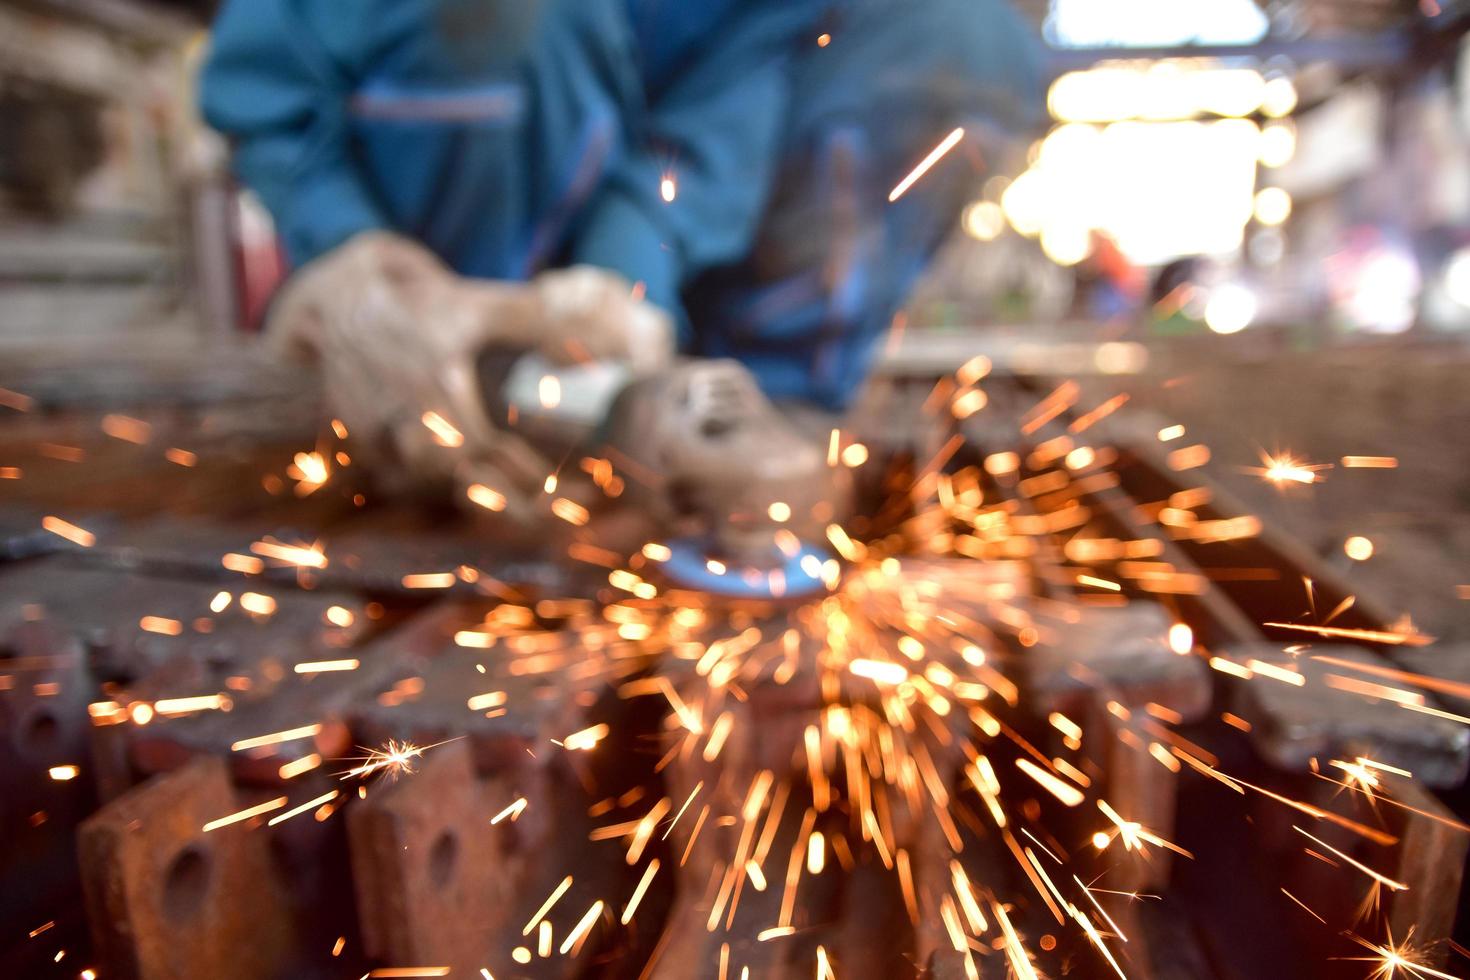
(734, 489)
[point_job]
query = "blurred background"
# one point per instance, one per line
(1272, 198)
(1208, 166)
(1295, 168)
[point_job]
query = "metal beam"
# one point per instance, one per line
(1370, 51)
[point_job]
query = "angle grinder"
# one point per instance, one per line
(744, 497)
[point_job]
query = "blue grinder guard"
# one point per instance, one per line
(687, 567)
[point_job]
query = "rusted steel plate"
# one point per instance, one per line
(439, 885)
(130, 624)
(722, 910)
(946, 964)
(495, 724)
(432, 875)
(855, 914)
(1339, 712)
(46, 770)
(1112, 672)
(1120, 653)
(1446, 670)
(44, 689)
(1431, 861)
(160, 654)
(168, 900)
(388, 551)
(284, 722)
(22, 535)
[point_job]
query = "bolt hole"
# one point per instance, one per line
(186, 884)
(442, 858)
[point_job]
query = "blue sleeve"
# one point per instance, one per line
(716, 130)
(277, 81)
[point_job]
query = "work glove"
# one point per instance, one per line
(397, 335)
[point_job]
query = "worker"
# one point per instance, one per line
(603, 179)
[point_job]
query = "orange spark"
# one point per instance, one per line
(513, 811)
(444, 432)
(394, 759)
(429, 580)
(324, 666)
(1284, 468)
(485, 497)
(304, 764)
(1397, 886)
(275, 738)
(638, 892)
(245, 814)
(306, 556)
(586, 738)
(127, 429)
(308, 805)
(935, 155)
(1372, 636)
(160, 624)
(1066, 792)
(581, 928)
(69, 531)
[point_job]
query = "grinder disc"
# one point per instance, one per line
(688, 568)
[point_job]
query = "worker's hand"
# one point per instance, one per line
(593, 314)
(398, 335)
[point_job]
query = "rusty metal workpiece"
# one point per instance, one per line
(1120, 653)
(1332, 719)
(130, 624)
(170, 901)
(45, 767)
(432, 875)
(855, 915)
(946, 964)
(162, 655)
(844, 909)
(382, 555)
(292, 681)
(436, 881)
(1105, 669)
(1445, 669)
(1328, 716)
